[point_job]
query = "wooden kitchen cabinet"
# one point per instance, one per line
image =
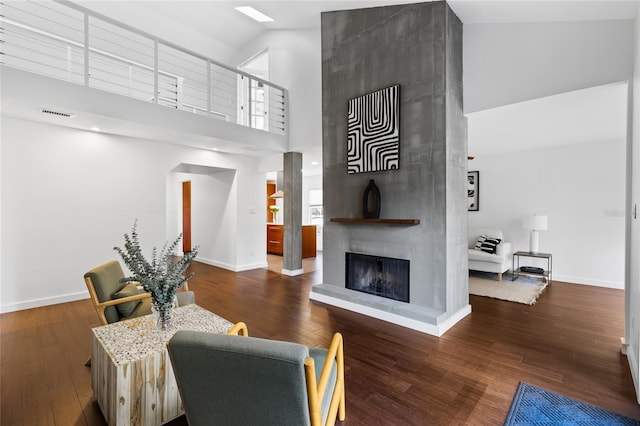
(275, 240)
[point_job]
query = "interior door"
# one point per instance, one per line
(186, 216)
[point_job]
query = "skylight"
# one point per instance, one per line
(254, 14)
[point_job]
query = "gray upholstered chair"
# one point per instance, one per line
(236, 380)
(115, 301)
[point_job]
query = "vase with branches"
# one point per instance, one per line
(161, 276)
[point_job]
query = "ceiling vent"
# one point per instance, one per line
(56, 113)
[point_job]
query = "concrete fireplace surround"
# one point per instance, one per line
(419, 47)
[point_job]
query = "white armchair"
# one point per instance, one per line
(498, 262)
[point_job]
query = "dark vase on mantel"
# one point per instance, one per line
(371, 201)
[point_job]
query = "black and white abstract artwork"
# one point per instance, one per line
(373, 142)
(473, 191)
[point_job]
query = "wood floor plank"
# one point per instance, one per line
(66, 406)
(91, 411)
(10, 397)
(54, 362)
(568, 342)
(37, 409)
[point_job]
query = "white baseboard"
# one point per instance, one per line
(36, 303)
(624, 346)
(292, 273)
(234, 268)
(251, 266)
(633, 365)
(454, 319)
(588, 281)
(434, 330)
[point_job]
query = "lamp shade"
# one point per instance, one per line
(535, 223)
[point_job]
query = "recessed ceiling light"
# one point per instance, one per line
(95, 128)
(314, 163)
(254, 14)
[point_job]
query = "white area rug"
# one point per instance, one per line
(522, 290)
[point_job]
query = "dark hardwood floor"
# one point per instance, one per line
(569, 342)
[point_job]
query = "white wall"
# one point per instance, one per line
(68, 196)
(632, 279)
(295, 63)
(509, 63)
(213, 213)
(579, 187)
(251, 218)
(309, 183)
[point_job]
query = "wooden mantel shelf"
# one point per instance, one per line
(387, 221)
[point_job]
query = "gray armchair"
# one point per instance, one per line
(115, 301)
(236, 380)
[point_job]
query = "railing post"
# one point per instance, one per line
(86, 49)
(69, 63)
(285, 112)
(179, 92)
(156, 93)
(130, 79)
(209, 88)
(250, 102)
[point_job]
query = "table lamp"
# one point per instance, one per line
(534, 223)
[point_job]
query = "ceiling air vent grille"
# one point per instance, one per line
(56, 113)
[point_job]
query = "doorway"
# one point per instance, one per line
(253, 110)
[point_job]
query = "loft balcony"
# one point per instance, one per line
(64, 57)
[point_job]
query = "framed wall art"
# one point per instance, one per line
(473, 191)
(373, 141)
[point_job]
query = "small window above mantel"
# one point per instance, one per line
(407, 222)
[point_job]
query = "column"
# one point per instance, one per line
(292, 200)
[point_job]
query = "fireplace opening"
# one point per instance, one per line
(382, 276)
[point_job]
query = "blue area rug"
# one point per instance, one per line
(536, 406)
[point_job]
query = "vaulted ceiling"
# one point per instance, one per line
(533, 123)
(220, 21)
(582, 113)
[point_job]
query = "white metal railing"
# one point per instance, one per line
(63, 40)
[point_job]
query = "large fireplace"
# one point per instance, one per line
(382, 276)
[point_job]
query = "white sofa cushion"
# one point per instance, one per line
(483, 256)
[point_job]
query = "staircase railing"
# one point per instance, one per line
(69, 42)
